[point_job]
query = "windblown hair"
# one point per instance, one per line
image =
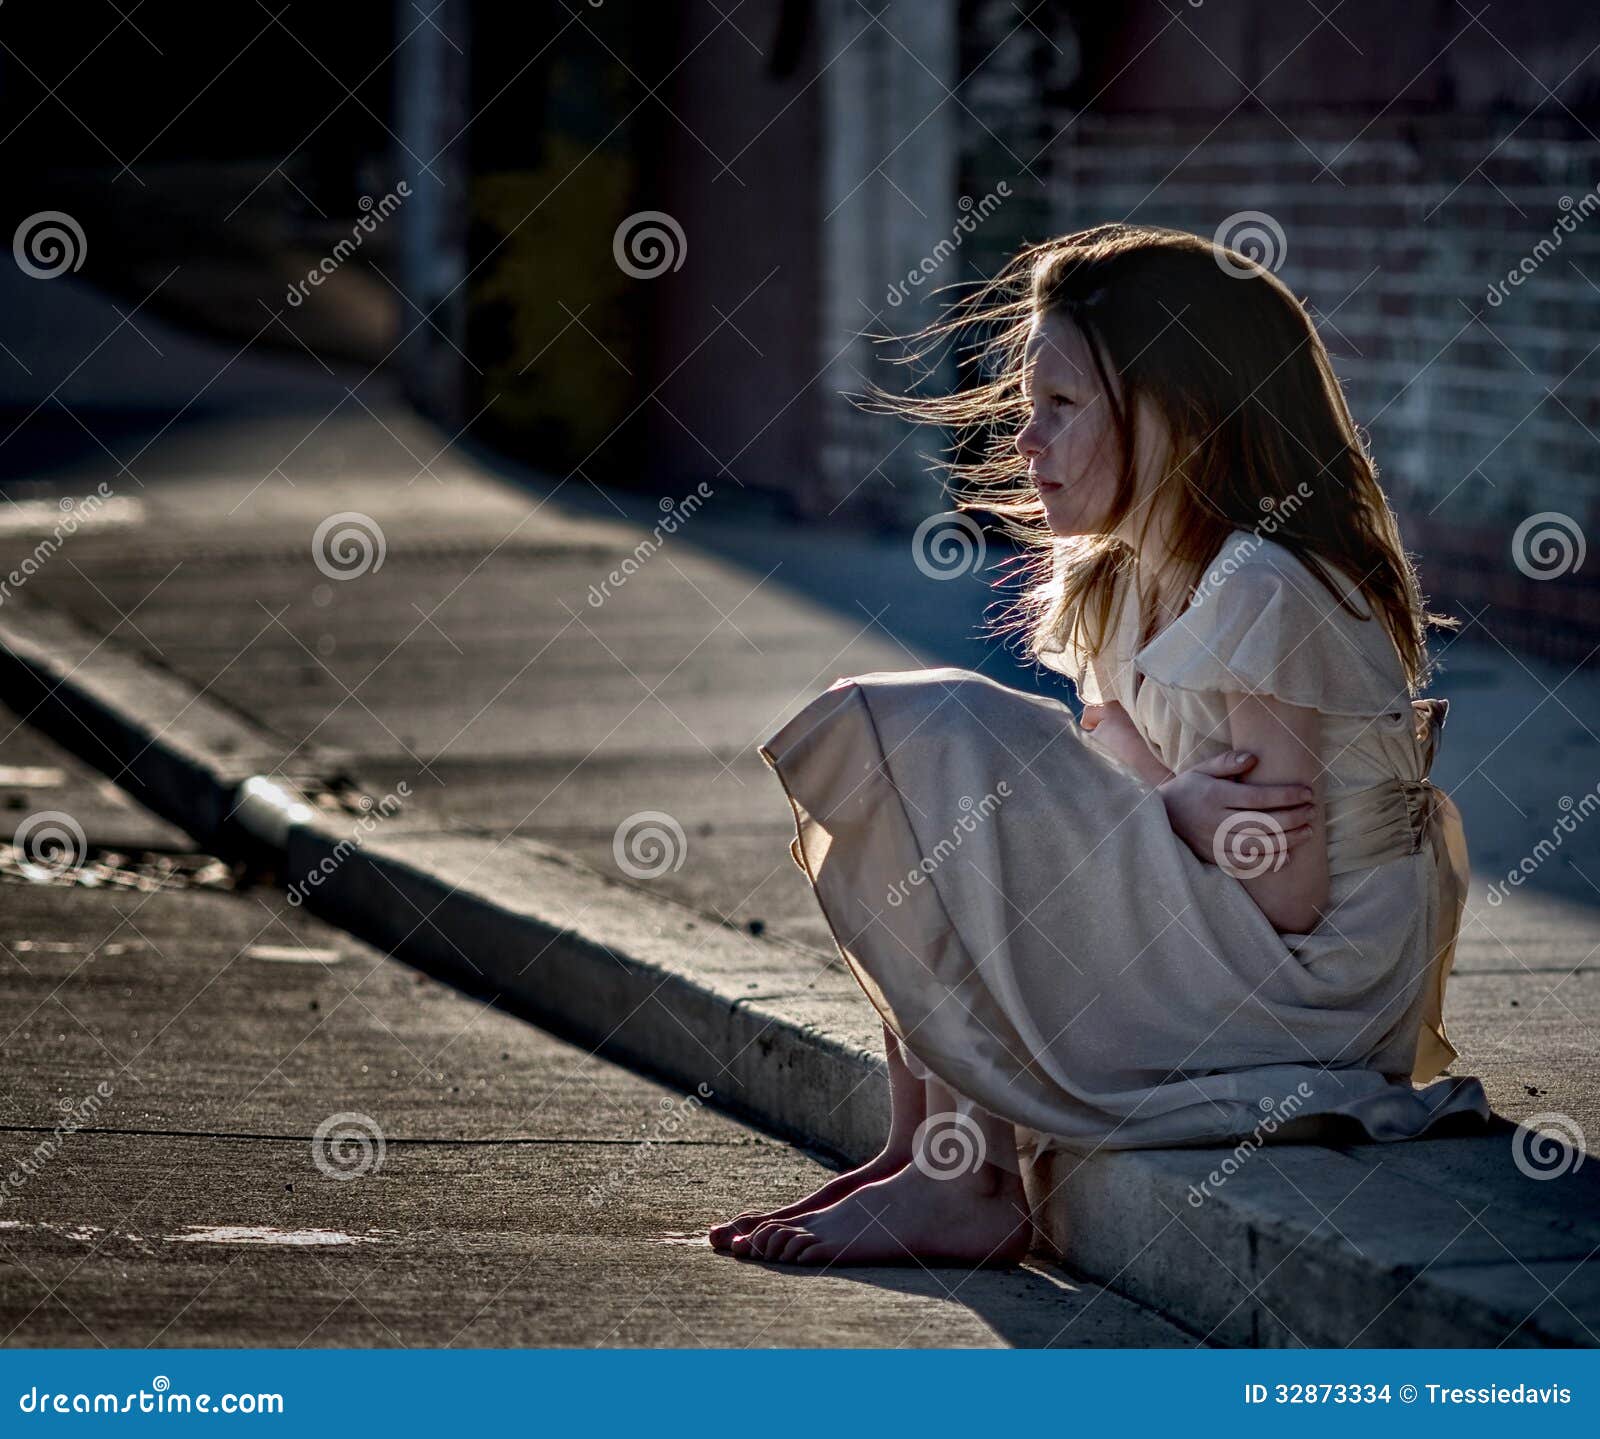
(1261, 435)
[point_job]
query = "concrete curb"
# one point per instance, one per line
(1303, 1245)
(177, 752)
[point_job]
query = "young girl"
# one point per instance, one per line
(1232, 892)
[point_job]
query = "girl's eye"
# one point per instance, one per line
(1060, 400)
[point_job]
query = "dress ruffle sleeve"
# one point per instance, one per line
(1271, 627)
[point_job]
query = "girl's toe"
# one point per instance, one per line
(764, 1238)
(739, 1224)
(797, 1240)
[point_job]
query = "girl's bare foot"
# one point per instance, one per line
(880, 1166)
(908, 1108)
(975, 1218)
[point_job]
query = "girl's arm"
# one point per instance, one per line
(1249, 825)
(1293, 888)
(1108, 724)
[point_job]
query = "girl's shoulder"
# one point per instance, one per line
(1250, 568)
(1262, 621)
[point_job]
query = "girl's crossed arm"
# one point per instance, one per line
(1271, 739)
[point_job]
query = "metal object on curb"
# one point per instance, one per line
(268, 809)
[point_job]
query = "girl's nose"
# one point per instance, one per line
(1028, 442)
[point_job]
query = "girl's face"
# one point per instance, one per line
(1070, 441)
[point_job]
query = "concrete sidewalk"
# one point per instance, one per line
(191, 640)
(497, 1185)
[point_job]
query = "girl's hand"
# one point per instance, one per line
(1201, 800)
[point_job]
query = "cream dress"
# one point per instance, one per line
(1016, 905)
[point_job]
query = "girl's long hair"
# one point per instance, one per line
(1262, 439)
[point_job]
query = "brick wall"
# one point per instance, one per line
(1482, 411)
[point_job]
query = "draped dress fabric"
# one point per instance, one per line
(1014, 902)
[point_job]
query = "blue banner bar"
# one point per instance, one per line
(782, 1392)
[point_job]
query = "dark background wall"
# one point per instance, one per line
(1411, 157)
